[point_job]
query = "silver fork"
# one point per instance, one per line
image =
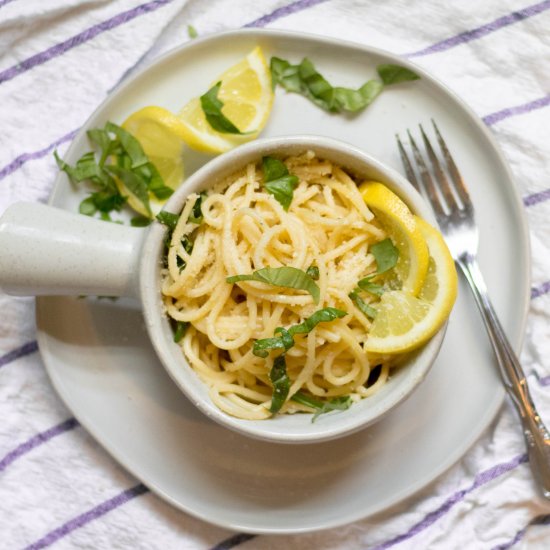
(454, 211)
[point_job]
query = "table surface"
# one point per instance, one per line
(59, 61)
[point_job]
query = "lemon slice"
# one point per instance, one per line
(247, 95)
(403, 321)
(161, 134)
(402, 227)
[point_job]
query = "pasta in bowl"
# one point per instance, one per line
(260, 320)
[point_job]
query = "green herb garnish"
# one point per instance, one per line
(278, 181)
(386, 255)
(393, 74)
(307, 81)
(168, 219)
(313, 272)
(281, 383)
(288, 277)
(212, 108)
(365, 308)
(192, 32)
(286, 340)
(196, 213)
(120, 156)
(341, 403)
(181, 329)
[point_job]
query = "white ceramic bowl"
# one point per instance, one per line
(296, 428)
(48, 251)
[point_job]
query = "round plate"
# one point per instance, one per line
(101, 362)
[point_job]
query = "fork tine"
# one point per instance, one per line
(430, 190)
(442, 179)
(411, 176)
(460, 188)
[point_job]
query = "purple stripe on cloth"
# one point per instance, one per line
(483, 30)
(539, 520)
(540, 290)
(535, 198)
(233, 541)
(35, 155)
(80, 38)
(87, 517)
(25, 349)
(284, 11)
(517, 110)
(37, 440)
(4, 2)
(481, 479)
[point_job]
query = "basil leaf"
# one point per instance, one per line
(286, 340)
(313, 272)
(392, 74)
(288, 277)
(261, 347)
(87, 207)
(192, 32)
(196, 213)
(385, 254)
(324, 315)
(134, 184)
(369, 286)
(130, 144)
(338, 403)
(212, 108)
(102, 139)
(168, 219)
(155, 182)
(278, 181)
(181, 329)
(281, 383)
(365, 308)
(84, 169)
(306, 80)
(285, 74)
(140, 221)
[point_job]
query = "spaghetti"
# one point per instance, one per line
(327, 232)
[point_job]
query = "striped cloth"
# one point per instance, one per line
(57, 485)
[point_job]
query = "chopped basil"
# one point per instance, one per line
(288, 277)
(393, 74)
(341, 403)
(192, 32)
(307, 81)
(281, 383)
(120, 157)
(196, 213)
(286, 340)
(313, 272)
(140, 221)
(181, 329)
(385, 254)
(168, 219)
(212, 108)
(365, 308)
(278, 181)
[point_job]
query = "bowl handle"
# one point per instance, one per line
(48, 251)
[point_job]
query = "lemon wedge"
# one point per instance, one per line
(402, 227)
(247, 95)
(161, 135)
(403, 321)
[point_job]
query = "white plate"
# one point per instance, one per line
(101, 363)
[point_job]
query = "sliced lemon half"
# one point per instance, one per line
(403, 321)
(161, 134)
(402, 227)
(247, 95)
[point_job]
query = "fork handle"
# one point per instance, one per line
(536, 435)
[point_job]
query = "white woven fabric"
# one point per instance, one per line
(57, 485)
